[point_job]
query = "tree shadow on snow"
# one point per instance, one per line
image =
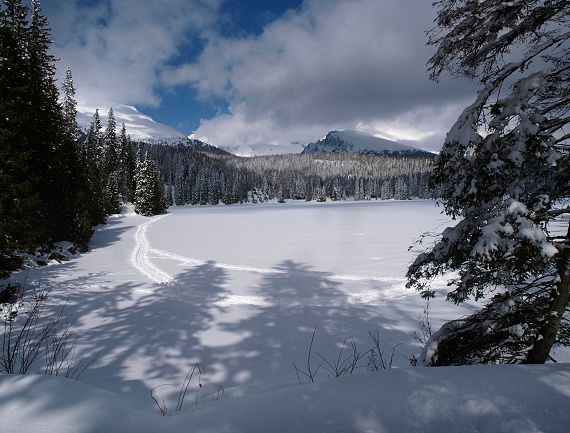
(153, 335)
(278, 333)
(140, 337)
(109, 233)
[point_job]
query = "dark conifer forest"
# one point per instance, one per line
(42, 181)
(194, 177)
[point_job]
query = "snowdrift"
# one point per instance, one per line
(444, 400)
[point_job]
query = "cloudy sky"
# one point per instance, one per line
(236, 72)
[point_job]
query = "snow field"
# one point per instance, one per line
(241, 289)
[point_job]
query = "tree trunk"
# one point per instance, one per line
(560, 294)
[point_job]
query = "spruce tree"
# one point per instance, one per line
(127, 167)
(92, 159)
(112, 151)
(160, 202)
(110, 166)
(504, 174)
(12, 24)
(94, 142)
(111, 196)
(83, 221)
(69, 105)
(40, 166)
(20, 198)
(149, 194)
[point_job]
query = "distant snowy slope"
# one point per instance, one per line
(352, 141)
(204, 147)
(345, 141)
(264, 149)
(140, 127)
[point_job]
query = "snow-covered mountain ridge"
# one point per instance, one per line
(354, 141)
(264, 149)
(142, 128)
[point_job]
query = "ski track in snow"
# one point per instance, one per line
(143, 253)
(140, 255)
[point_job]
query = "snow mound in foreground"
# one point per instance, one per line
(444, 400)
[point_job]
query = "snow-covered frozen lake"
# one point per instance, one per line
(241, 288)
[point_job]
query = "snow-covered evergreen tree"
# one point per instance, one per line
(336, 194)
(300, 189)
(40, 176)
(94, 142)
(150, 198)
(93, 163)
(111, 196)
(504, 173)
(400, 189)
(69, 104)
(127, 165)
(320, 194)
(110, 168)
(112, 146)
(387, 189)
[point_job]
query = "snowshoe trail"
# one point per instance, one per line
(141, 260)
(140, 255)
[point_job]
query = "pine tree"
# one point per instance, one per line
(111, 196)
(94, 142)
(149, 195)
(160, 202)
(69, 105)
(83, 221)
(111, 146)
(92, 159)
(110, 166)
(127, 167)
(13, 152)
(504, 171)
(19, 195)
(336, 195)
(320, 194)
(41, 175)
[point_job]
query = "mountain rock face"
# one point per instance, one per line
(351, 141)
(142, 128)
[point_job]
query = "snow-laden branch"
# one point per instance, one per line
(480, 33)
(465, 131)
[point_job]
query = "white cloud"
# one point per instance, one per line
(117, 49)
(332, 64)
(335, 64)
(235, 130)
(426, 126)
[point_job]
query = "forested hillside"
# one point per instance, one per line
(193, 177)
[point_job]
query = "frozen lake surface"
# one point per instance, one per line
(241, 289)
